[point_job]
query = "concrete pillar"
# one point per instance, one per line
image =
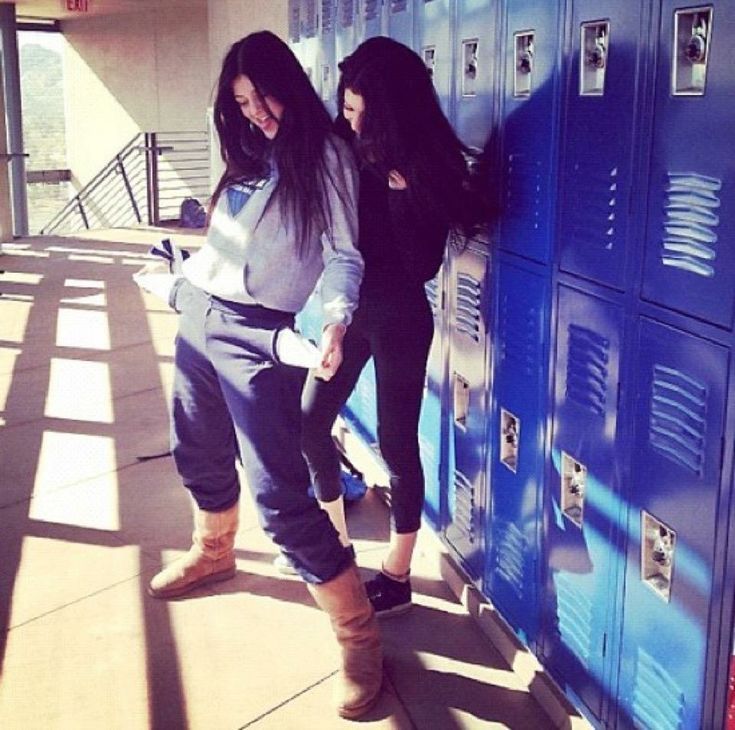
(12, 136)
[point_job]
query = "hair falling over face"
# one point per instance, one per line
(402, 128)
(296, 149)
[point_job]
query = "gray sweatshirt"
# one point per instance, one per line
(254, 261)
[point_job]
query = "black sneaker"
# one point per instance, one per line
(389, 597)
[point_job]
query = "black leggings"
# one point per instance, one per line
(397, 334)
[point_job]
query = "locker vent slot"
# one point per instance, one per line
(587, 369)
(468, 306)
(294, 20)
(372, 8)
(678, 418)
(520, 335)
(308, 19)
(431, 288)
(574, 611)
(347, 14)
(524, 189)
(327, 16)
(690, 220)
(464, 506)
(657, 700)
(509, 553)
(398, 6)
(593, 199)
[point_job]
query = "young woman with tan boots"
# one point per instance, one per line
(283, 214)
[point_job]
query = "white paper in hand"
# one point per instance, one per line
(157, 280)
(292, 348)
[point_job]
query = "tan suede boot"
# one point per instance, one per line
(211, 558)
(356, 630)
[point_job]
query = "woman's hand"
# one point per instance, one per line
(332, 336)
(396, 181)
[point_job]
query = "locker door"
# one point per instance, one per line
(475, 48)
(401, 22)
(435, 47)
(681, 387)
(371, 18)
(516, 436)
(529, 126)
(294, 27)
(345, 40)
(432, 427)
(326, 57)
(467, 396)
(690, 257)
(360, 411)
(599, 140)
(582, 508)
(309, 42)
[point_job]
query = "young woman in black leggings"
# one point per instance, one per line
(414, 188)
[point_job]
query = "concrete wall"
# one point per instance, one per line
(130, 73)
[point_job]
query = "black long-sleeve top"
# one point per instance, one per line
(402, 247)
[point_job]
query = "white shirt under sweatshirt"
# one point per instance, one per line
(254, 260)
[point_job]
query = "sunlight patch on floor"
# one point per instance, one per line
(79, 390)
(83, 328)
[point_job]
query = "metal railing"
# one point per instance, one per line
(146, 181)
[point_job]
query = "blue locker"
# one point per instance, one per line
(309, 40)
(371, 18)
(294, 27)
(676, 472)
(600, 139)
(467, 395)
(309, 319)
(432, 423)
(401, 21)
(476, 40)
(517, 438)
(345, 40)
(529, 126)
(583, 508)
(690, 257)
(434, 23)
(326, 56)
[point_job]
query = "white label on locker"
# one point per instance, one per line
(510, 437)
(692, 32)
(429, 55)
(461, 401)
(658, 542)
(523, 73)
(593, 55)
(573, 488)
(469, 67)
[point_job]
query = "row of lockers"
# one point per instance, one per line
(577, 430)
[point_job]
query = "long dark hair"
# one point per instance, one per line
(404, 129)
(298, 149)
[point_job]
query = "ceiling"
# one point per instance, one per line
(57, 9)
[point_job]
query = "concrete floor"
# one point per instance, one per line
(86, 518)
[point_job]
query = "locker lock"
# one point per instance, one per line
(597, 57)
(658, 546)
(573, 488)
(696, 49)
(692, 29)
(525, 60)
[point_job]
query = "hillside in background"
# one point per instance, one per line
(42, 93)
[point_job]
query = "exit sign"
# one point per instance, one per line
(77, 6)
